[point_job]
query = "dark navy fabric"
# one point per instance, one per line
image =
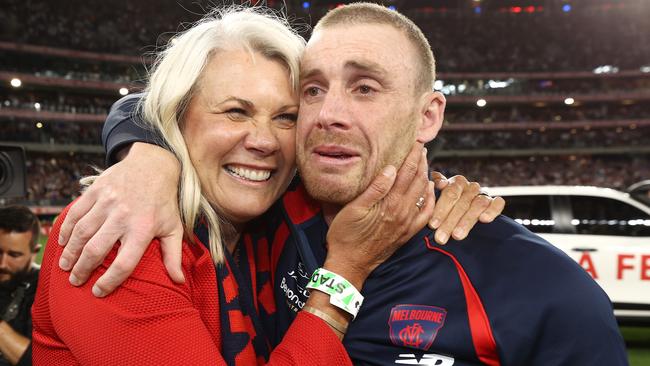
(124, 126)
(542, 307)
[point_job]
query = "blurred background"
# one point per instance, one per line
(538, 91)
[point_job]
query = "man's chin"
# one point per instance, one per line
(331, 193)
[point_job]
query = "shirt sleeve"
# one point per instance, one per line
(149, 320)
(309, 341)
(125, 126)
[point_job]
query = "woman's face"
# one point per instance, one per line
(240, 132)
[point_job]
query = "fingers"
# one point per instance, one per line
(378, 189)
(497, 204)
(471, 217)
(93, 254)
(427, 210)
(408, 170)
(84, 229)
(417, 186)
(439, 179)
(76, 212)
(172, 248)
(129, 255)
(461, 207)
(448, 198)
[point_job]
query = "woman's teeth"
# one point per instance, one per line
(250, 174)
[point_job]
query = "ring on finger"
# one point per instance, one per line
(420, 202)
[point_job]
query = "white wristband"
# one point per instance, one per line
(342, 294)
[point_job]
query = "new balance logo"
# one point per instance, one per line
(429, 359)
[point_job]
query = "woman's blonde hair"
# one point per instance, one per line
(174, 80)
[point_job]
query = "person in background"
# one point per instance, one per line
(19, 229)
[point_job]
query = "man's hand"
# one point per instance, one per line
(368, 230)
(132, 202)
(460, 206)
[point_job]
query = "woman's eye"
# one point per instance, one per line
(288, 117)
(236, 111)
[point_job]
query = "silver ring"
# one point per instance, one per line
(420, 203)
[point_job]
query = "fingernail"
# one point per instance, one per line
(458, 233)
(435, 223)
(485, 217)
(98, 292)
(441, 237)
(61, 240)
(74, 281)
(424, 151)
(64, 264)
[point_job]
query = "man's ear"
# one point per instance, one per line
(432, 114)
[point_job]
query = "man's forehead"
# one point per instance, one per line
(15, 241)
(371, 46)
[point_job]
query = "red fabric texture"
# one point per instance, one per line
(150, 320)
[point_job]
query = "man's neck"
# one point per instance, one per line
(329, 211)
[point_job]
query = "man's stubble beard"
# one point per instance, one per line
(16, 278)
(356, 182)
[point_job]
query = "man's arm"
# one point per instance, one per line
(13, 345)
(124, 127)
(132, 202)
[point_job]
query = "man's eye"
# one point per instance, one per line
(312, 91)
(365, 89)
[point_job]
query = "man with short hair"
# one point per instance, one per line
(503, 296)
(19, 230)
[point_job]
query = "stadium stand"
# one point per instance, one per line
(537, 93)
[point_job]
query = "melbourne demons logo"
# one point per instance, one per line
(415, 326)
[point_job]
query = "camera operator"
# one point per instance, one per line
(19, 229)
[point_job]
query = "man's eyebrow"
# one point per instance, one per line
(310, 74)
(370, 67)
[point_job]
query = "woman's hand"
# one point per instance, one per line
(460, 206)
(386, 215)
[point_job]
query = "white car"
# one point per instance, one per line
(606, 231)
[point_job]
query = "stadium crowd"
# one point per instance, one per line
(596, 35)
(53, 179)
(618, 172)
(555, 113)
(550, 139)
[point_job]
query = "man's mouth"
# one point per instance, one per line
(335, 152)
(251, 174)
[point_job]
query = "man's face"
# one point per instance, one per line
(15, 255)
(358, 108)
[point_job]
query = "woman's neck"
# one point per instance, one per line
(231, 234)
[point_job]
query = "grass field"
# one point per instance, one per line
(637, 338)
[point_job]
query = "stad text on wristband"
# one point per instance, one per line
(341, 292)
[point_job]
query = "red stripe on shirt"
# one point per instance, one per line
(484, 343)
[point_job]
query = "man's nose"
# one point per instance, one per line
(334, 113)
(4, 261)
